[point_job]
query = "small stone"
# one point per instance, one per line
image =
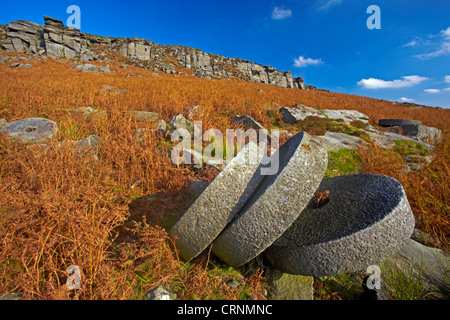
(31, 129)
(159, 293)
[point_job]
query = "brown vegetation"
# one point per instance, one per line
(57, 209)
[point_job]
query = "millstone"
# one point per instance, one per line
(397, 122)
(366, 219)
(219, 203)
(276, 203)
(31, 129)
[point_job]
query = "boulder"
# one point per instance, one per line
(291, 115)
(86, 67)
(180, 122)
(335, 141)
(276, 203)
(427, 269)
(53, 22)
(218, 203)
(365, 219)
(25, 66)
(89, 145)
(284, 286)
(247, 122)
(31, 129)
(346, 115)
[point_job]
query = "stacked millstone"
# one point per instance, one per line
(250, 210)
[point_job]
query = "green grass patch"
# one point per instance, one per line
(342, 162)
(406, 148)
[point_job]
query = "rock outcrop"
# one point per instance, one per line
(57, 41)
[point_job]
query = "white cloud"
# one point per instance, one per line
(406, 81)
(432, 91)
(441, 47)
(412, 43)
(404, 99)
(279, 14)
(326, 4)
(447, 89)
(447, 79)
(301, 62)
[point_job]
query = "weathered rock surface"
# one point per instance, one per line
(428, 267)
(31, 129)
(335, 141)
(58, 41)
(180, 122)
(159, 293)
(298, 112)
(366, 219)
(346, 115)
(247, 122)
(276, 203)
(219, 203)
(284, 286)
(397, 122)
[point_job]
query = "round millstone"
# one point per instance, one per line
(219, 202)
(366, 219)
(276, 203)
(31, 129)
(397, 122)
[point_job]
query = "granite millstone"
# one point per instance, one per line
(31, 129)
(366, 219)
(219, 203)
(276, 203)
(397, 122)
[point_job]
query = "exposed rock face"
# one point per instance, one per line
(58, 41)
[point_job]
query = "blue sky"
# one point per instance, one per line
(327, 42)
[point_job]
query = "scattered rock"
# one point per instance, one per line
(153, 74)
(86, 67)
(25, 66)
(89, 145)
(14, 65)
(161, 127)
(31, 129)
(291, 115)
(111, 89)
(159, 293)
(104, 69)
(428, 269)
(346, 115)
(11, 296)
(129, 75)
(248, 122)
(140, 116)
(219, 203)
(276, 203)
(284, 286)
(3, 123)
(366, 219)
(335, 141)
(4, 59)
(180, 122)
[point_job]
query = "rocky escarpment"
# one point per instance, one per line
(56, 40)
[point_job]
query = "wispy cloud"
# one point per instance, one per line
(301, 62)
(432, 91)
(326, 4)
(447, 79)
(280, 14)
(406, 81)
(440, 44)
